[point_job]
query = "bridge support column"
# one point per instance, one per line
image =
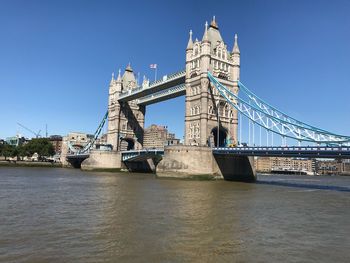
(236, 168)
(99, 160)
(196, 161)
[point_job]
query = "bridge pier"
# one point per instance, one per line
(198, 161)
(102, 160)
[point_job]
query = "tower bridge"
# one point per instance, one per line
(215, 99)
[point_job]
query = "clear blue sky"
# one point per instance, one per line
(56, 57)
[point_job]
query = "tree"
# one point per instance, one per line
(42, 146)
(22, 151)
(8, 150)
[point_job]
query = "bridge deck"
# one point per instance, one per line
(167, 94)
(133, 156)
(302, 152)
(157, 86)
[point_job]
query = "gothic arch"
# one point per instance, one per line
(219, 138)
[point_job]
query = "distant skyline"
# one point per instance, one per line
(57, 57)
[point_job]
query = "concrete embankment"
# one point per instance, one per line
(29, 164)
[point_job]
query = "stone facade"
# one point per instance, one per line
(56, 141)
(155, 136)
(191, 161)
(268, 164)
(203, 102)
(102, 160)
(125, 120)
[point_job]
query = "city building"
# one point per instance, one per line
(15, 140)
(78, 140)
(345, 168)
(263, 164)
(282, 164)
(157, 137)
(2, 141)
(56, 141)
(102, 139)
(330, 167)
(171, 140)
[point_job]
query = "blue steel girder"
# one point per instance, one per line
(266, 107)
(88, 146)
(275, 121)
(136, 155)
(165, 83)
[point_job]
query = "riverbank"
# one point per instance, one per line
(29, 164)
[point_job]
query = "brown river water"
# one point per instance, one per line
(67, 215)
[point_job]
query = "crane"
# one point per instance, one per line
(37, 134)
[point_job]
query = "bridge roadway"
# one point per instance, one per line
(140, 155)
(170, 86)
(292, 151)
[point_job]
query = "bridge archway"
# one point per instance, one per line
(219, 138)
(127, 144)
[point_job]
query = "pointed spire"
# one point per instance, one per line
(128, 68)
(235, 49)
(119, 78)
(213, 23)
(190, 42)
(112, 79)
(205, 36)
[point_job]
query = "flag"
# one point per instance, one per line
(153, 66)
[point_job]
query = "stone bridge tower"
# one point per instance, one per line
(209, 120)
(125, 119)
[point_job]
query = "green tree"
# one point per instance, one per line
(8, 151)
(22, 151)
(42, 146)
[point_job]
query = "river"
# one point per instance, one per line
(67, 215)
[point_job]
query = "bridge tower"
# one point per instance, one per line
(125, 119)
(209, 120)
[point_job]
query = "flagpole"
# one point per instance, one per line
(155, 73)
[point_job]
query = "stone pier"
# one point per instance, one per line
(100, 160)
(199, 161)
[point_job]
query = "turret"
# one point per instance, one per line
(112, 85)
(119, 83)
(128, 79)
(235, 55)
(205, 51)
(189, 50)
(190, 42)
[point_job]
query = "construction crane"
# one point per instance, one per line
(37, 134)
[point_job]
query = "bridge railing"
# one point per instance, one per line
(284, 148)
